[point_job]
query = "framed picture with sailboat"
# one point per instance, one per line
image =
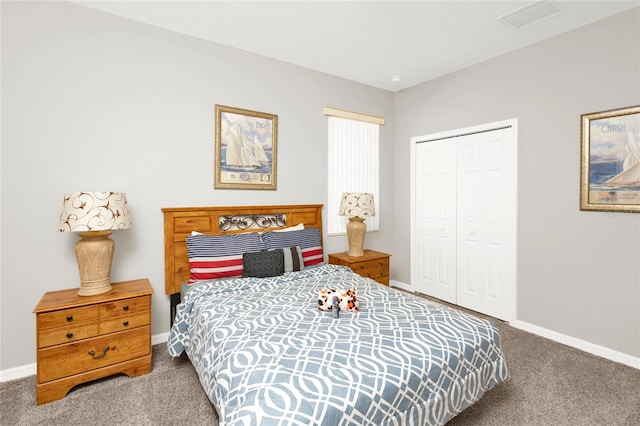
(610, 161)
(245, 149)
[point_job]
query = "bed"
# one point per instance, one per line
(268, 351)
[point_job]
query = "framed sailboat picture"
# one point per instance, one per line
(610, 161)
(245, 149)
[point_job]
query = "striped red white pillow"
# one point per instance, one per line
(312, 256)
(207, 268)
(219, 256)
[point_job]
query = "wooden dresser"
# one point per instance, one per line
(373, 264)
(83, 338)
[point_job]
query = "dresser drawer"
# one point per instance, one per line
(372, 269)
(71, 333)
(79, 357)
(124, 322)
(124, 307)
(67, 317)
(383, 280)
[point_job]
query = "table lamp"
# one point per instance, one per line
(94, 215)
(356, 205)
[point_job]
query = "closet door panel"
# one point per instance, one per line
(435, 200)
(486, 172)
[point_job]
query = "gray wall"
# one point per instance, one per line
(91, 101)
(578, 272)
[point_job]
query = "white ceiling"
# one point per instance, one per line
(365, 41)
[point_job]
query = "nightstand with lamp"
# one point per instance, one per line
(101, 328)
(367, 263)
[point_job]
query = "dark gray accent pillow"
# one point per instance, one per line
(263, 264)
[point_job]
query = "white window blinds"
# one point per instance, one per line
(353, 164)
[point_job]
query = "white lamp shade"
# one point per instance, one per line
(94, 211)
(357, 204)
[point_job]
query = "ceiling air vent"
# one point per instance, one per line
(531, 14)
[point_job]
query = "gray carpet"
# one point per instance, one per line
(551, 384)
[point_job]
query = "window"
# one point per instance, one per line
(353, 163)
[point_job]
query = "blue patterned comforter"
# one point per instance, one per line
(266, 356)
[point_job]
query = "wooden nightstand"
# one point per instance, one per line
(83, 338)
(373, 264)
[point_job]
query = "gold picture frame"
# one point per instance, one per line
(610, 161)
(246, 155)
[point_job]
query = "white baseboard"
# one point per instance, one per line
(30, 369)
(400, 285)
(159, 338)
(17, 372)
(583, 345)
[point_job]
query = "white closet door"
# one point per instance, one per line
(464, 239)
(435, 220)
(486, 222)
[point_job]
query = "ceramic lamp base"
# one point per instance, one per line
(356, 229)
(94, 252)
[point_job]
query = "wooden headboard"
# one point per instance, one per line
(180, 221)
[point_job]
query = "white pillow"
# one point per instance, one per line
(298, 227)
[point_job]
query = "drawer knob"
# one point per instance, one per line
(125, 308)
(125, 323)
(69, 317)
(69, 335)
(96, 356)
